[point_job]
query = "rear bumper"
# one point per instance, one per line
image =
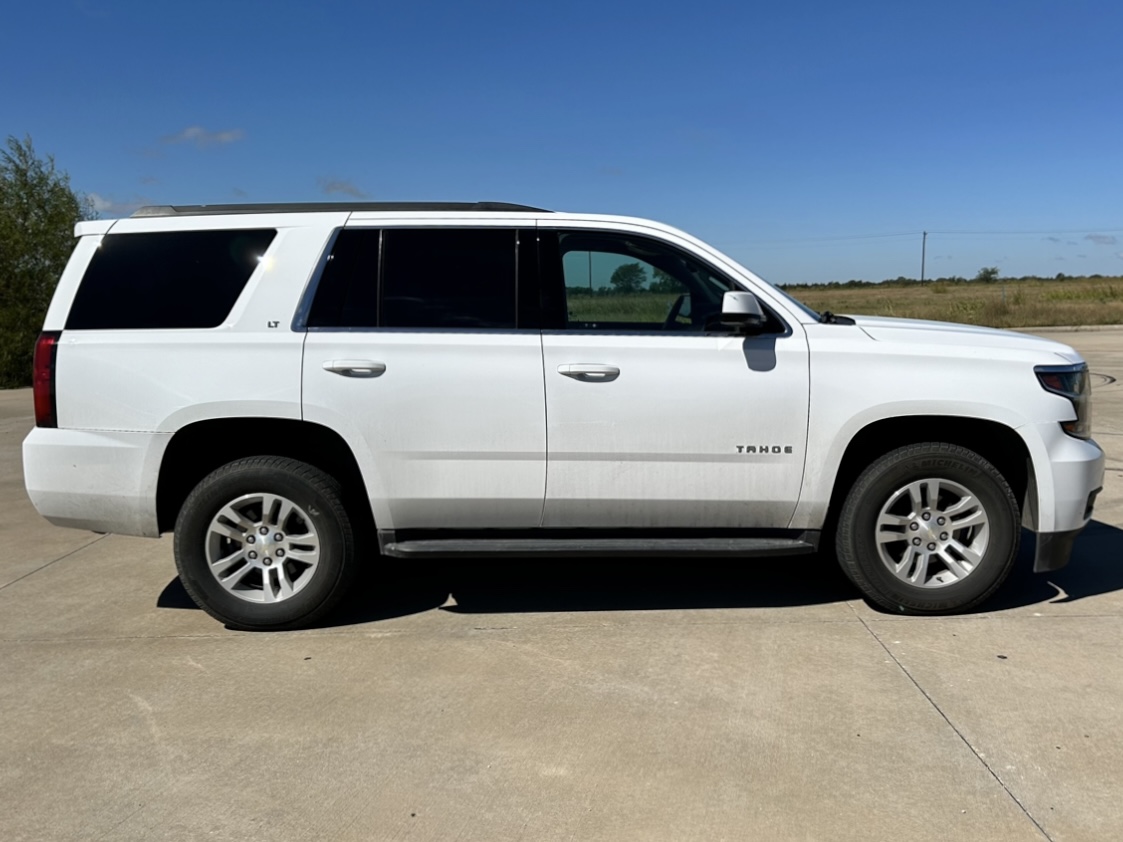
(103, 481)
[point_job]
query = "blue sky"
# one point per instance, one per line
(812, 141)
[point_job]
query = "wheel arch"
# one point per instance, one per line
(199, 448)
(998, 443)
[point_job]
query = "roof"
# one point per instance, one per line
(309, 207)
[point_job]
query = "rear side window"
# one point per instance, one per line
(442, 278)
(426, 278)
(347, 295)
(181, 279)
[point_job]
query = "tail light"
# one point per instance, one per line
(43, 379)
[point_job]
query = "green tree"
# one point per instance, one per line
(38, 211)
(665, 282)
(987, 275)
(628, 278)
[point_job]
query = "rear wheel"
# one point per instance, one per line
(265, 543)
(927, 529)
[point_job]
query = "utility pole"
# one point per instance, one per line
(923, 253)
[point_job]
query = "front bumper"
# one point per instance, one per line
(1054, 549)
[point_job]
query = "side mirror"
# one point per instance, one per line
(741, 310)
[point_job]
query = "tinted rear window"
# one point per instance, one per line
(442, 278)
(347, 295)
(420, 278)
(182, 279)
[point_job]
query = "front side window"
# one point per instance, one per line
(620, 282)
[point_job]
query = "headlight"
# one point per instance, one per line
(1070, 381)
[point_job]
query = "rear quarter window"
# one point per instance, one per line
(171, 279)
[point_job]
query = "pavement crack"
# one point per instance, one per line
(53, 560)
(958, 733)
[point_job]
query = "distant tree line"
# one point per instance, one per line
(986, 275)
(631, 279)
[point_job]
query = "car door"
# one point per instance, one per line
(414, 352)
(657, 416)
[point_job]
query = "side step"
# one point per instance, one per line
(807, 542)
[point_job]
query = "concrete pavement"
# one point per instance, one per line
(586, 702)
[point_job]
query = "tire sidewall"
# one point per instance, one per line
(883, 479)
(224, 486)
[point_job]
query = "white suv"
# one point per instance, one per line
(283, 386)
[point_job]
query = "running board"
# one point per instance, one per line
(807, 542)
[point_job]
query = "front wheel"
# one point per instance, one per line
(265, 543)
(928, 529)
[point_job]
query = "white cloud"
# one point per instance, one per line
(111, 208)
(330, 186)
(200, 137)
(1101, 239)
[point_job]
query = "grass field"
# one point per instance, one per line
(645, 307)
(1013, 303)
(1028, 302)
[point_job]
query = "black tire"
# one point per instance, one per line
(860, 553)
(317, 511)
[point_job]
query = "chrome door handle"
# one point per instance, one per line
(355, 368)
(589, 372)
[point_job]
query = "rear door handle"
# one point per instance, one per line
(589, 372)
(355, 368)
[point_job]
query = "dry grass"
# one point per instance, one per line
(645, 307)
(1030, 302)
(1012, 303)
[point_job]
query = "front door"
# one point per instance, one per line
(656, 416)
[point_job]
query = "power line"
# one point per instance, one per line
(897, 234)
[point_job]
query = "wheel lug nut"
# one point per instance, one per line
(943, 536)
(926, 516)
(280, 553)
(279, 536)
(930, 548)
(252, 554)
(250, 539)
(941, 520)
(914, 526)
(267, 561)
(916, 542)
(264, 530)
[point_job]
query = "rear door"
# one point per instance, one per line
(416, 354)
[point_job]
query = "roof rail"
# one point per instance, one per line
(308, 207)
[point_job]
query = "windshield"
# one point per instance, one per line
(793, 300)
